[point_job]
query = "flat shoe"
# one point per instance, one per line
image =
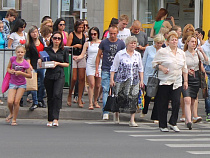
(133, 124)
(8, 119)
(80, 105)
(55, 124)
(14, 124)
(197, 119)
(49, 124)
(90, 107)
(96, 105)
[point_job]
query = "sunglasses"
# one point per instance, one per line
(22, 27)
(86, 25)
(57, 38)
(62, 24)
(93, 34)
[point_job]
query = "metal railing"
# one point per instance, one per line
(5, 55)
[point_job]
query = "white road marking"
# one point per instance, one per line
(172, 135)
(199, 152)
(179, 140)
(188, 145)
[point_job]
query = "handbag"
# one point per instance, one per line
(202, 75)
(140, 105)
(111, 103)
(31, 83)
(5, 83)
(153, 83)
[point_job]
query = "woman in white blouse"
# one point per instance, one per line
(192, 60)
(172, 65)
(128, 67)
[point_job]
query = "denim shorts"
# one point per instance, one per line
(13, 86)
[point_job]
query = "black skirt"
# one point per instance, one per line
(193, 86)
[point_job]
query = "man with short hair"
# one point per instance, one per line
(123, 31)
(108, 47)
(10, 17)
(140, 35)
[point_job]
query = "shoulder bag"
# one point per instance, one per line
(153, 83)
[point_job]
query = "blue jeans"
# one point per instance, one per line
(207, 100)
(38, 96)
(105, 83)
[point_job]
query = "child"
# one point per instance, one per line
(3, 38)
(19, 68)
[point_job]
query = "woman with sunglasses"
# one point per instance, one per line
(59, 25)
(18, 36)
(76, 39)
(54, 77)
(91, 47)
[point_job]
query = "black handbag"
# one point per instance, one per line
(153, 83)
(111, 103)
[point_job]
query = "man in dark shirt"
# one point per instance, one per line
(108, 47)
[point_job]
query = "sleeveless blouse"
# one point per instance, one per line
(64, 38)
(76, 40)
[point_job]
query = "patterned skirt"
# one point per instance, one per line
(127, 96)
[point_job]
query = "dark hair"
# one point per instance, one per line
(55, 26)
(61, 45)
(77, 23)
(161, 13)
(114, 21)
(89, 33)
(29, 40)
(45, 18)
(11, 12)
(19, 23)
(200, 31)
(209, 33)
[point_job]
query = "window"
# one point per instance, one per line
(8, 4)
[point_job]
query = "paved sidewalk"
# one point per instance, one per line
(75, 113)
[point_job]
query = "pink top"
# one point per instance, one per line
(18, 80)
(64, 39)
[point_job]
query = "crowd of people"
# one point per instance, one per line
(121, 60)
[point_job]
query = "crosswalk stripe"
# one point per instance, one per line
(155, 131)
(172, 135)
(199, 152)
(188, 145)
(180, 140)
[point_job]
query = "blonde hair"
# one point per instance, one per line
(124, 17)
(159, 38)
(136, 23)
(188, 27)
(24, 49)
(187, 40)
(45, 22)
(130, 39)
(164, 30)
(172, 34)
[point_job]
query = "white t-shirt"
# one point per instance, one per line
(122, 34)
(18, 40)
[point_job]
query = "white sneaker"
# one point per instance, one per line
(156, 121)
(116, 118)
(133, 124)
(175, 128)
(164, 130)
(105, 116)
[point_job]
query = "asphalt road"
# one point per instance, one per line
(99, 139)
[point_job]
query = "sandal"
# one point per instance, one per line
(80, 105)
(69, 104)
(8, 119)
(96, 105)
(14, 123)
(90, 107)
(75, 99)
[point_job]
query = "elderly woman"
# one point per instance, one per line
(172, 65)
(148, 57)
(192, 59)
(128, 67)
